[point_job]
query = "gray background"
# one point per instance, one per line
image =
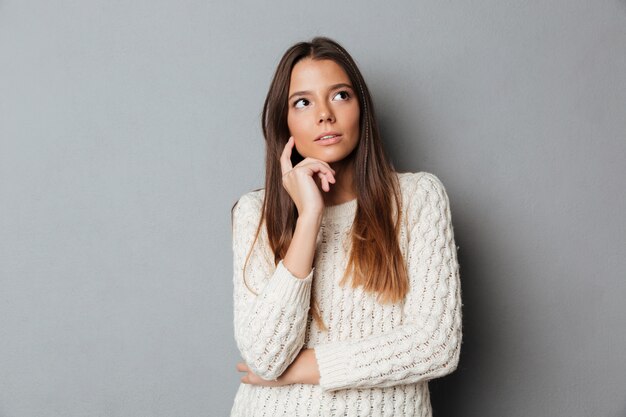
(128, 130)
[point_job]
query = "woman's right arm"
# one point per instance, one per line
(270, 327)
(304, 192)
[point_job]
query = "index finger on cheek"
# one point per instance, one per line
(285, 158)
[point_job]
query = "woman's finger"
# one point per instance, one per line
(316, 162)
(318, 167)
(325, 185)
(285, 157)
(307, 160)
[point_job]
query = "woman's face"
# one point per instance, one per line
(322, 102)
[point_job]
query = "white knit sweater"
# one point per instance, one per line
(375, 360)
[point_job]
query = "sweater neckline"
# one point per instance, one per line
(342, 210)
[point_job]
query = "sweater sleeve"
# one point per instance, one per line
(427, 344)
(270, 326)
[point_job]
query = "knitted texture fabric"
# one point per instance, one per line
(375, 359)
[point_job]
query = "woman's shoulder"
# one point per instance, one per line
(420, 191)
(414, 182)
(252, 197)
(249, 203)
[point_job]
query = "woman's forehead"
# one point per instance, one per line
(312, 74)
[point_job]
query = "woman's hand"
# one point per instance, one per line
(303, 370)
(300, 181)
(253, 379)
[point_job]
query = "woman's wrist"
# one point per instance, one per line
(311, 374)
(309, 219)
(299, 257)
(304, 369)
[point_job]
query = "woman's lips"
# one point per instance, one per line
(330, 141)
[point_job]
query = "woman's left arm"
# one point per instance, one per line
(303, 370)
(428, 344)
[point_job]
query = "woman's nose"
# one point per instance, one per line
(326, 115)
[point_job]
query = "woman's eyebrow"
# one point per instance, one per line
(332, 87)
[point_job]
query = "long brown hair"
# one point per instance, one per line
(375, 261)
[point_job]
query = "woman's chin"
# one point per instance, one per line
(332, 157)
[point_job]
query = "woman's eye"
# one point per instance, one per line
(343, 95)
(301, 103)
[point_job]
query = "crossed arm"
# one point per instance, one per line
(303, 370)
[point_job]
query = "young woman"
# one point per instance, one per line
(346, 281)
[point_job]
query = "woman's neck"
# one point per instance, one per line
(343, 190)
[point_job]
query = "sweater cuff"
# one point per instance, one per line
(286, 286)
(332, 361)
